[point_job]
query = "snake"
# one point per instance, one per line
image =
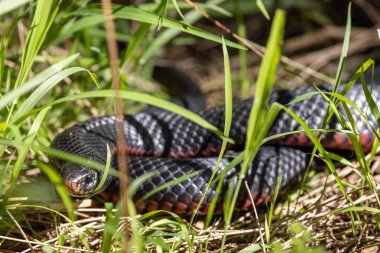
(180, 156)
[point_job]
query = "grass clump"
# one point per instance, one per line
(55, 72)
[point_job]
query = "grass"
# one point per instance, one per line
(59, 71)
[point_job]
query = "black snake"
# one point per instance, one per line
(175, 147)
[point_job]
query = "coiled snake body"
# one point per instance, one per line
(174, 147)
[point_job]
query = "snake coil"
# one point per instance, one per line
(174, 147)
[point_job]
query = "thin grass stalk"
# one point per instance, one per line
(255, 133)
(137, 38)
(81, 235)
(335, 103)
(243, 54)
(227, 126)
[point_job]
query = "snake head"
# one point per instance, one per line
(80, 180)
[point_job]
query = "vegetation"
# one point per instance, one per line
(56, 70)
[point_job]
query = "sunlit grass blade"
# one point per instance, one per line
(156, 236)
(43, 89)
(255, 133)
(227, 126)
(107, 168)
(14, 94)
(371, 102)
(262, 8)
(343, 55)
(351, 125)
(22, 152)
(55, 178)
(251, 248)
(166, 36)
(317, 145)
(143, 98)
(341, 159)
(43, 17)
(110, 227)
(243, 54)
(76, 25)
(274, 198)
(178, 9)
(9, 5)
(178, 222)
(333, 106)
(163, 7)
(138, 36)
(270, 138)
(131, 13)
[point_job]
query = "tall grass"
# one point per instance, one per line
(54, 85)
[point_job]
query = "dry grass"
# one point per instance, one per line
(315, 210)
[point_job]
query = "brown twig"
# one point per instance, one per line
(121, 143)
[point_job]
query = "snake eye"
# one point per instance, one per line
(88, 179)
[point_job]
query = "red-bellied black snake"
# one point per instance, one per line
(175, 147)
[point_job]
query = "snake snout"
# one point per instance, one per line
(79, 180)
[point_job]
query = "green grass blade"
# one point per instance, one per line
(107, 168)
(164, 37)
(75, 26)
(343, 55)
(35, 81)
(138, 36)
(147, 99)
(9, 5)
(251, 248)
(317, 145)
(23, 151)
(262, 8)
(227, 127)
(357, 75)
(136, 14)
(255, 132)
(43, 17)
(110, 227)
(243, 54)
(62, 190)
(274, 198)
(44, 88)
(176, 6)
